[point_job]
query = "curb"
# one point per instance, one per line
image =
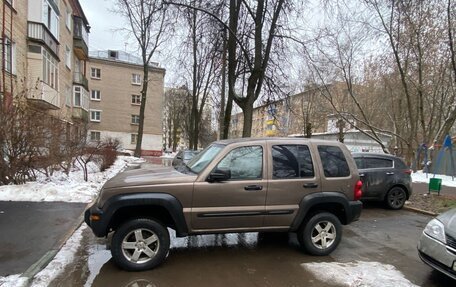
(41, 263)
(421, 211)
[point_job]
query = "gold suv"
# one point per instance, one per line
(244, 185)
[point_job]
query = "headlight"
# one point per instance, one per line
(435, 230)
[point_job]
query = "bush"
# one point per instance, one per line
(108, 153)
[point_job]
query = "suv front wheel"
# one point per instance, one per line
(140, 244)
(321, 234)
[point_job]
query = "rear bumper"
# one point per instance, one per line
(354, 211)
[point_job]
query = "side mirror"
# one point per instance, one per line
(179, 157)
(219, 175)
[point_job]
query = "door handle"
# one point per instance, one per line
(310, 185)
(253, 187)
(390, 173)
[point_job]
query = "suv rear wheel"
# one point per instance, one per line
(395, 198)
(321, 234)
(140, 244)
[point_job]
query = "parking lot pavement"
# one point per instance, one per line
(31, 229)
(384, 236)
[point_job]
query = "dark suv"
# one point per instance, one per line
(385, 178)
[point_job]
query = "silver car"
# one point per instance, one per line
(437, 245)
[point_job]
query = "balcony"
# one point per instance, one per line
(80, 38)
(80, 103)
(44, 97)
(39, 32)
(80, 79)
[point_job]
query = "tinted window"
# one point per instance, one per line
(400, 164)
(333, 160)
(359, 162)
(291, 161)
(244, 162)
(378, 162)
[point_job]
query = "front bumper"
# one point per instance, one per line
(437, 255)
(98, 227)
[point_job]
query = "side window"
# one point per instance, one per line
(291, 161)
(333, 160)
(359, 162)
(378, 163)
(244, 163)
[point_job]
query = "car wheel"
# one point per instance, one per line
(395, 198)
(321, 234)
(140, 244)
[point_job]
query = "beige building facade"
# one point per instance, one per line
(115, 80)
(45, 49)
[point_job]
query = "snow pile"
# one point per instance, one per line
(359, 273)
(64, 257)
(60, 187)
(13, 281)
(420, 176)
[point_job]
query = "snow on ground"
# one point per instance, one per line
(359, 273)
(13, 281)
(169, 155)
(420, 176)
(60, 187)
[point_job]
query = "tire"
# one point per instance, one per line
(320, 234)
(140, 244)
(395, 198)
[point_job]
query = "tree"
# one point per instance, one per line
(150, 26)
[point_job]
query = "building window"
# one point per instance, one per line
(135, 119)
(50, 70)
(136, 99)
(68, 95)
(134, 138)
(95, 136)
(95, 73)
(136, 79)
(95, 115)
(9, 56)
(68, 18)
(68, 56)
(51, 18)
(77, 101)
(113, 54)
(95, 95)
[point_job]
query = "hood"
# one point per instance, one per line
(148, 176)
(449, 221)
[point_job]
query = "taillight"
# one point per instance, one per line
(408, 171)
(358, 191)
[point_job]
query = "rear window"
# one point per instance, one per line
(372, 162)
(400, 164)
(291, 161)
(333, 161)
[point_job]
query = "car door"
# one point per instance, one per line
(292, 176)
(238, 202)
(377, 175)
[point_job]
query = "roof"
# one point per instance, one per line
(287, 139)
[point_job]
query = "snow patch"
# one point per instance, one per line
(359, 273)
(62, 187)
(64, 257)
(420, 176)
(13, 281)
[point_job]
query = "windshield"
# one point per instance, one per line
(201, 160)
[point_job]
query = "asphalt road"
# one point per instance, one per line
(28, 230)
(253, 259)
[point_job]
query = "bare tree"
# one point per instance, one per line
(150, 26)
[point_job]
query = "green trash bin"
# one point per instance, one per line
(435, 184)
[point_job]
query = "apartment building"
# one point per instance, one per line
(115, 84)
(44, 54)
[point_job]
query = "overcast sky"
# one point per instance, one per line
(104, 23)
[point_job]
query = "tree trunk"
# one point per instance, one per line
(247, 110)
(142, 109)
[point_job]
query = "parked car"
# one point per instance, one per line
(184, 156)
(310, 187)
(385, 178)
(437, 245)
